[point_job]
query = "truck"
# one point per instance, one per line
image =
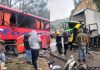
(91, 21)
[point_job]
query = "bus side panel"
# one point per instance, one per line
(20, 49)
(20, 45)
(45, 41)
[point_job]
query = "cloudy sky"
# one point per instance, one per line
(60, 9)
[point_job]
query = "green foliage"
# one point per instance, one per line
(36, 7)
(97, 2)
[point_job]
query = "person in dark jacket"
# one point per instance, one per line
(27, 47)
(59, 42)
(65, 39)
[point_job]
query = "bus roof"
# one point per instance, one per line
(18, 11)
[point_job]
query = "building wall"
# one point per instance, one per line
(89, 15)
(91, 18)
(79, 17)
(97, 19)
(85, 4)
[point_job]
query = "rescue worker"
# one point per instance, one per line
(34, 41)
(27, 47)
(70, 39)
(81, 41)
(65, 41)
(59, 42)
(87, 42)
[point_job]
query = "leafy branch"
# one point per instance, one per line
(97, 2)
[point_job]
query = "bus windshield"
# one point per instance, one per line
(72, 24)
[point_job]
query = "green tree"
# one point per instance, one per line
(35, 7)
(97, 2)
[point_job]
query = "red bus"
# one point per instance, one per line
(15, 24)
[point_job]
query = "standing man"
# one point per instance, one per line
(34, 41)
(59, 42)
(65, 39)
(27, 47)
(70, 40)
(87, 42)
(81, 41)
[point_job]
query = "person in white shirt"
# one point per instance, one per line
(34, 40)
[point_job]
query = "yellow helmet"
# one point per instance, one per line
(77, 26)
(57, 33)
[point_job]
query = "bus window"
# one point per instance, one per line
(13, 19)
(26, 21)
(47, 26)
(32, 22)
(7, 18)
(37, 24)
(71, 25)
(42, 25)
(1, 17)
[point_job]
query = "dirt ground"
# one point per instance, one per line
(15, 65)
(24, 66)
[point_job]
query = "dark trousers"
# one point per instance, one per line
(70, 44)
(65, 48)
(59, 47)
(35, 54)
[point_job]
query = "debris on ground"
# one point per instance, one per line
(43, 64)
